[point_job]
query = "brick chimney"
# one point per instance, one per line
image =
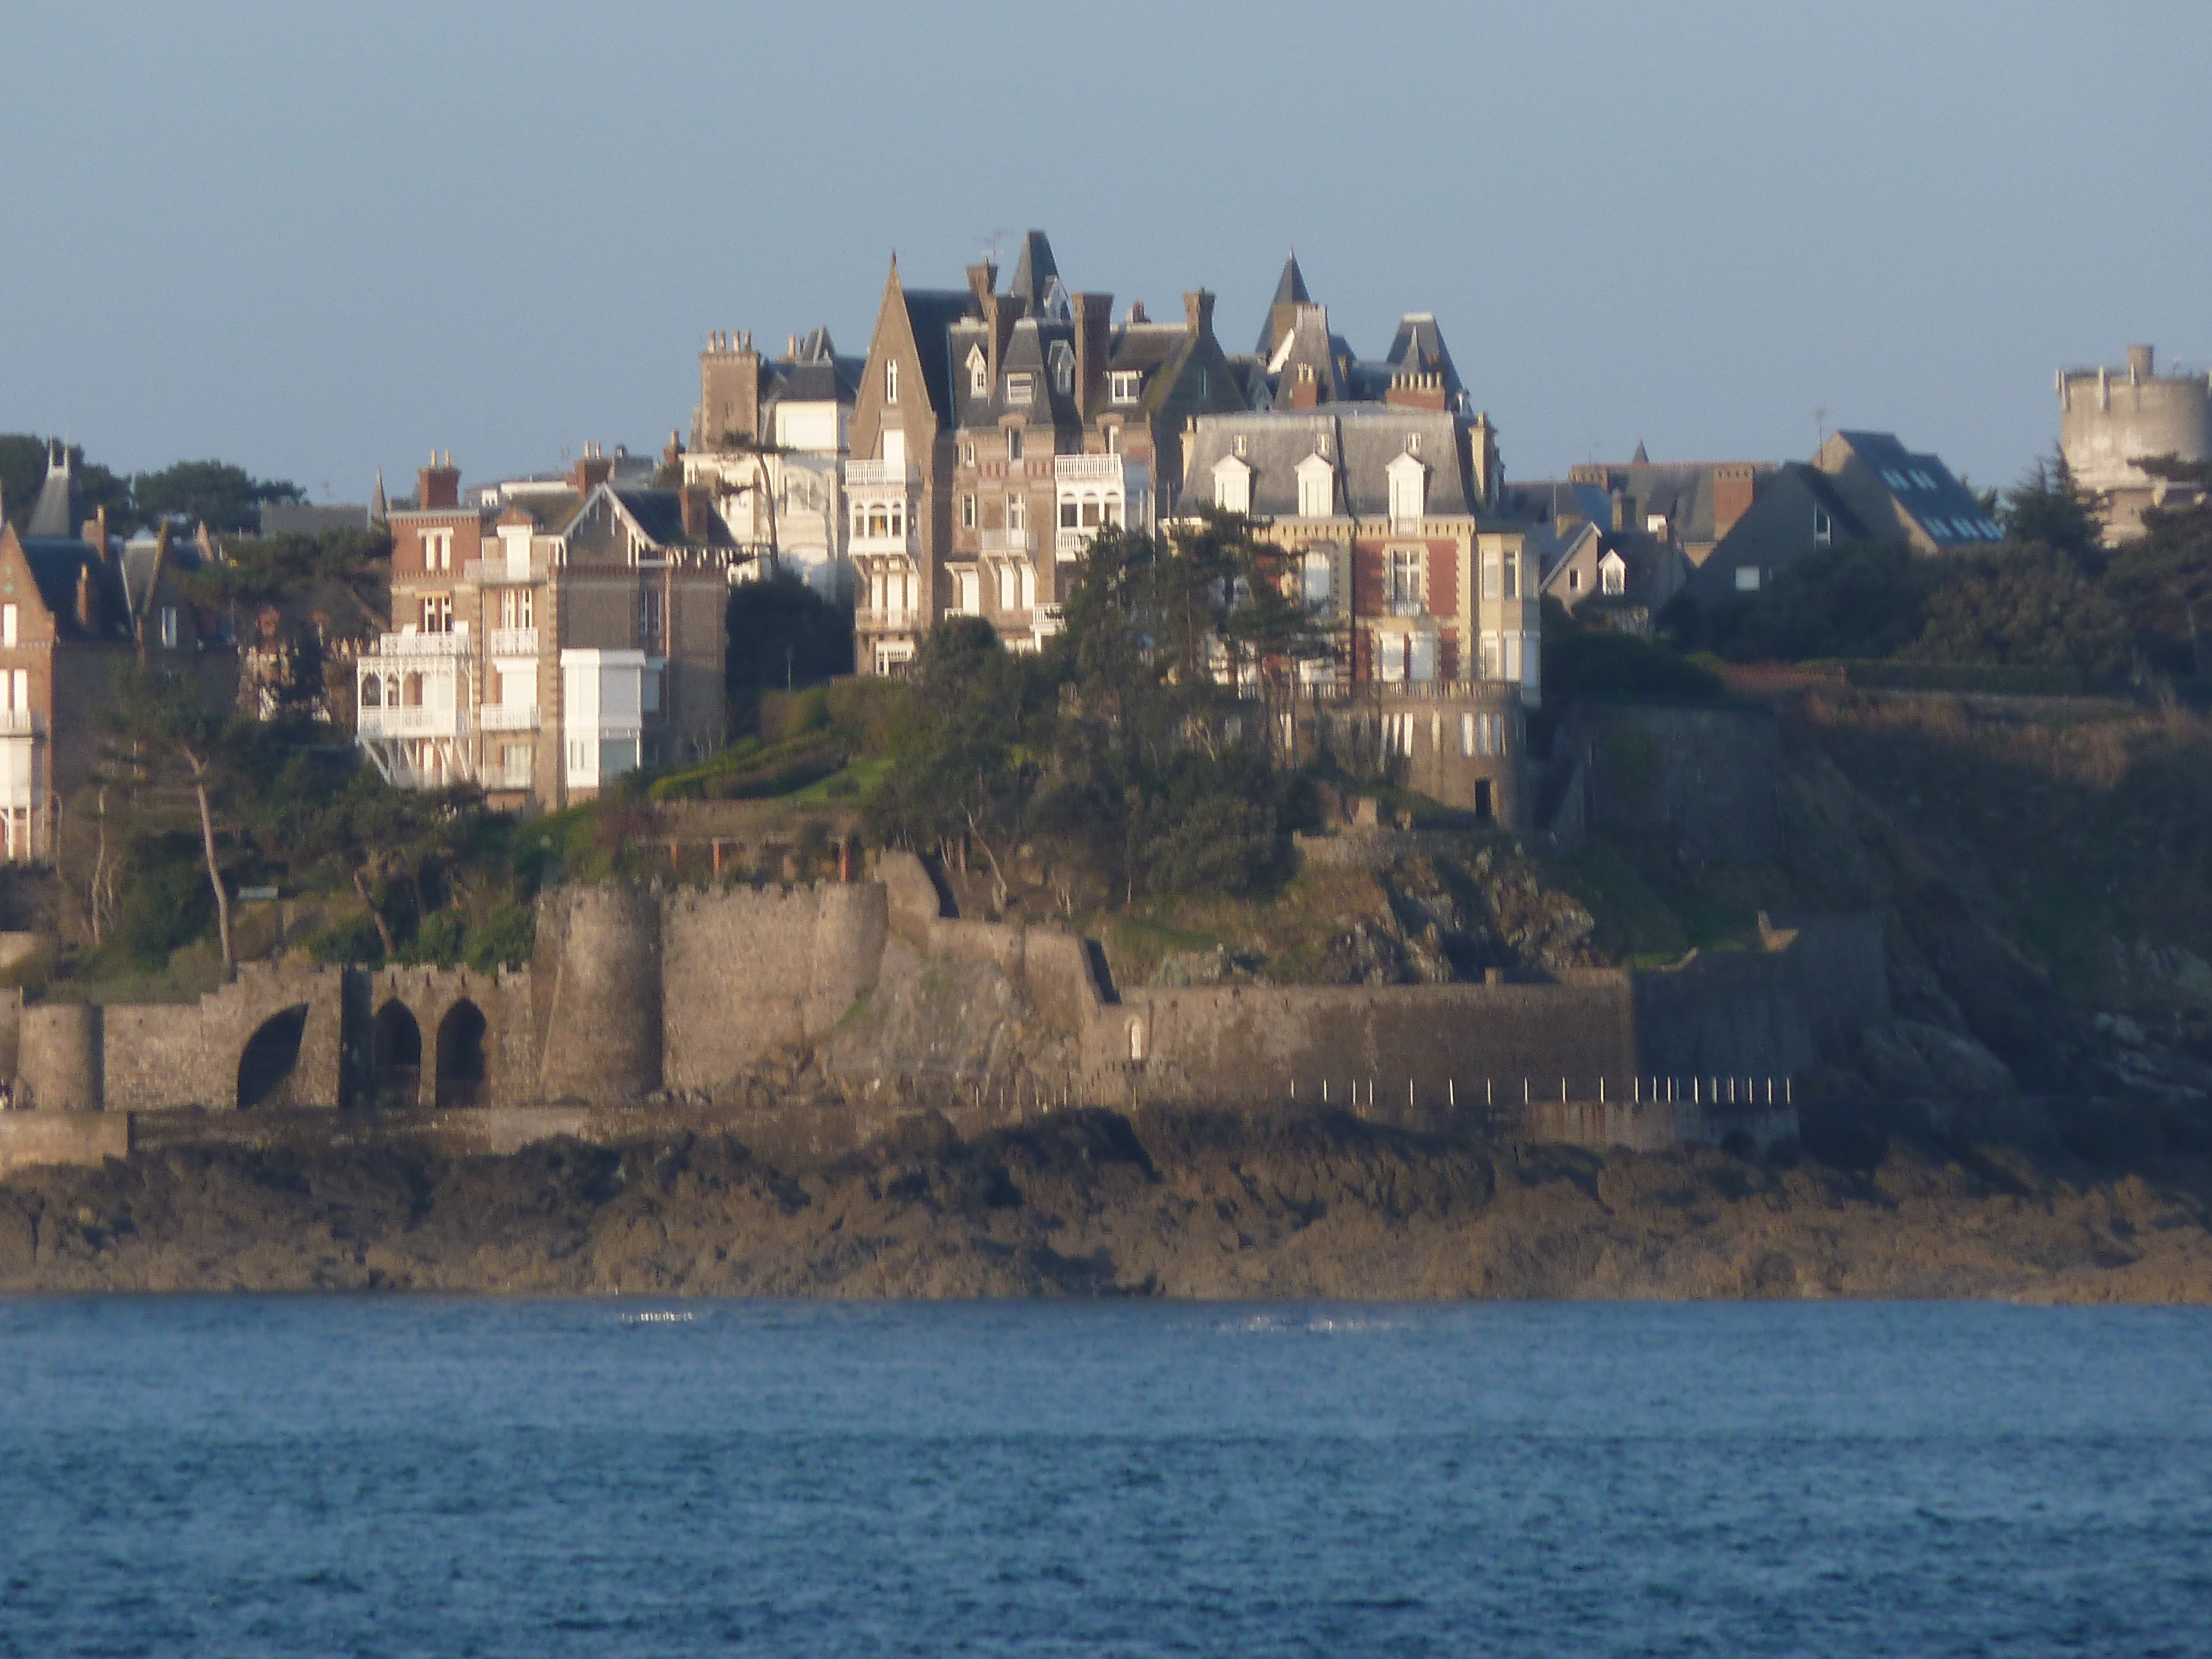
(1305, 387)
(1094, 314)
(1620, 517)
(983, 278)
(1198, 313)
(592, 469)
(698, 509)
(439, 484)
(1734, 486)
(1409, 390)
(87, 602)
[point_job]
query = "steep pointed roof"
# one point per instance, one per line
(1419, 348)
(1034, 272)
(1291, 292)
(1642, 457)
(379, 511)
(55, 515)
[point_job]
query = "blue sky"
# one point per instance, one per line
(315, 239)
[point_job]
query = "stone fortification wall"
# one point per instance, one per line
(161, 1056)
(50, 1137)
(1659, 1126)
(58, 1061)
(1707, 771)
(596, 985)
(1723, 1014)
(745, 973)
(1248, 1045)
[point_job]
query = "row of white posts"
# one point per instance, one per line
(1699, 1092)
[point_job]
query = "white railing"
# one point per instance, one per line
(455, 644)
(413, 722)
(863, 474)
(511, 642)
(1008, 541)
(1070, 544)
(1087, 469)
(21, 723)
(507, 717)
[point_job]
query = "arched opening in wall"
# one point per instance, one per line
(398, 1056)
(461, 1055)
(270, 1056)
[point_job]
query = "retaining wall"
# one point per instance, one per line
(47, 1137)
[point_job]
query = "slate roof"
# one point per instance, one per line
(815, 373)
(660, 515)
(56, 562)
(1920, 485)
(1290, 289)
(1362, 439)
(1419, 348)
(135, 561)
(304, 519)
(931, 313)
(53, 516)
(1036, 278)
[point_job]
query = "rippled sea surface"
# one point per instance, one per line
(255, 1476)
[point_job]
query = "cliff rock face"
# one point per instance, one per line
(1090, 1203)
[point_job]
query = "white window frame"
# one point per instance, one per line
(890, 380)
(1021, 388)
(1124, 386)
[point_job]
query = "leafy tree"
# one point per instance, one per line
(1602, 662)
(214, 493)
(2047, 507)
(2163, 580)
(170, 733)
(2024, 607)
(1852, 600)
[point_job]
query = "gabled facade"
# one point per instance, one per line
(76, 606)
(544, 646)
(996, 433)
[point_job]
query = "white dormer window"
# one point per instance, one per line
(1613, 575)
(979, 373)
(1316, 488)
(1063, 367)
(1123, 386)
(891, 381)
(1055, 301)
(1232, 484)
(1409, 489)
(1020, 388)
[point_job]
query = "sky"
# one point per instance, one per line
(319, 240)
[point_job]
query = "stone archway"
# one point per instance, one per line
(398, 1056)
(461, 1063)
(265, 1065)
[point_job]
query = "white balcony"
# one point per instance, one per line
(862, 474)
(902, 547)
(507, 717)
(428, 721)
(410, 643)
(1087, 469)
(1004, 542)
(21, 723)
(511, 642)
(1070, 544)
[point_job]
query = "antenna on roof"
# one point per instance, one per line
(1819, 429)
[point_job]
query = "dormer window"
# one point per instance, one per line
(1243, 445)
(979, 373)
(1123, 386)
(1409, 490)
(1316, 488)
(1063, 367)
(1020, 388)
(891, 381)
(1412, 443)
(1612, 575)
(1232, 484)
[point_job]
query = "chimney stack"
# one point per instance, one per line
(1198, 313)
(697, 504)
(1094, 318)
(1409, 389)
(1734, 486)
(983, 278)
(592, 470)
(439, 484)
(1305, 388)
(2139, 360)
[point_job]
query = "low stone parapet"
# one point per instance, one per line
(28, 1139)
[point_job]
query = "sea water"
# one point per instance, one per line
(255, 1475)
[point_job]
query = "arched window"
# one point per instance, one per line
(372, 691)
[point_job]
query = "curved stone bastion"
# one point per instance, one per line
(643, 995)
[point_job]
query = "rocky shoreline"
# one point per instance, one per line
(1096, 1204)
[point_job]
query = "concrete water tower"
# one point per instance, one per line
(2111, 420)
